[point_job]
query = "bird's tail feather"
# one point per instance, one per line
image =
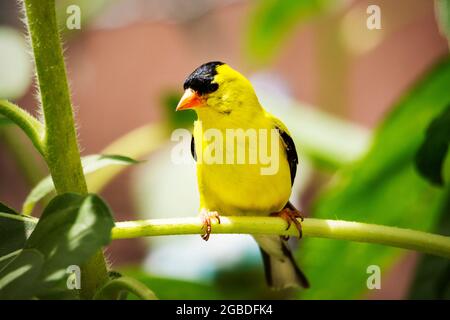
(280, 267)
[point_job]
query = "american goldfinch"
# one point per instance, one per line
(229, 114)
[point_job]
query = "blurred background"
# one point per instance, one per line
(314, 64)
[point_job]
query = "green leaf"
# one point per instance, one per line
(227, 284)
(384, 188)
(175, 289)
(72, 228)
(432, 280)
(443, 16)
(14, 230)
(273, 20)
(119, 287)
(90, 164)
(5, 209)
(431, 155)
(24, 270)
(229, 280)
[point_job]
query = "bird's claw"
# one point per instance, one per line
(291, 216)
(206, 217)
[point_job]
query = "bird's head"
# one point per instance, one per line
(215, 87)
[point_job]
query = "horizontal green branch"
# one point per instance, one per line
(32, 127)
(333, 229)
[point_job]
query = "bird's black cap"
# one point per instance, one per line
(201, 79)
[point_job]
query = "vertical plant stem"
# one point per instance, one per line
(61, 148)
(62, 155)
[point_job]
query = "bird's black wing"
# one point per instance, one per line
(291, 152)
(194, 155)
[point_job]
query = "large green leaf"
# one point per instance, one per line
(90, 164)
(18, 278)
(273, 20)
(14, 230)
(432, 279)
(382, 188)
(72, 228)
(431, 155)
(5, 209)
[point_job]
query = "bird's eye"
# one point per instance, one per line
(201, 85)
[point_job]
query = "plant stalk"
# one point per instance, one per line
(29, 124)
(61, 149)
(333, 229)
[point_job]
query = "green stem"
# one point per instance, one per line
(60, 140)
(62, 154)
(113, 288)
(332, 229)
(29, 124)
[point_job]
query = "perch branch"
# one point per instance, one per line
(333, 229)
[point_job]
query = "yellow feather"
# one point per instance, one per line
(238, 189)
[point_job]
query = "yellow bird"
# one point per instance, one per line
(246, 162)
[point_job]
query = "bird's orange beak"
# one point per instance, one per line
(189, 100)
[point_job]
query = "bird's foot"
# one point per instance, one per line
(291, 216)
(206, 217)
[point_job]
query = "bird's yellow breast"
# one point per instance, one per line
(241, 170)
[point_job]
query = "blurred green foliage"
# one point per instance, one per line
(432, 279)
(431, 155)
(224, 285)
(383, 187)
(272, 21)
(91, 163)
(165, 288)
(443, 16)
(13, 233)
(246, 274)
(169, 102)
